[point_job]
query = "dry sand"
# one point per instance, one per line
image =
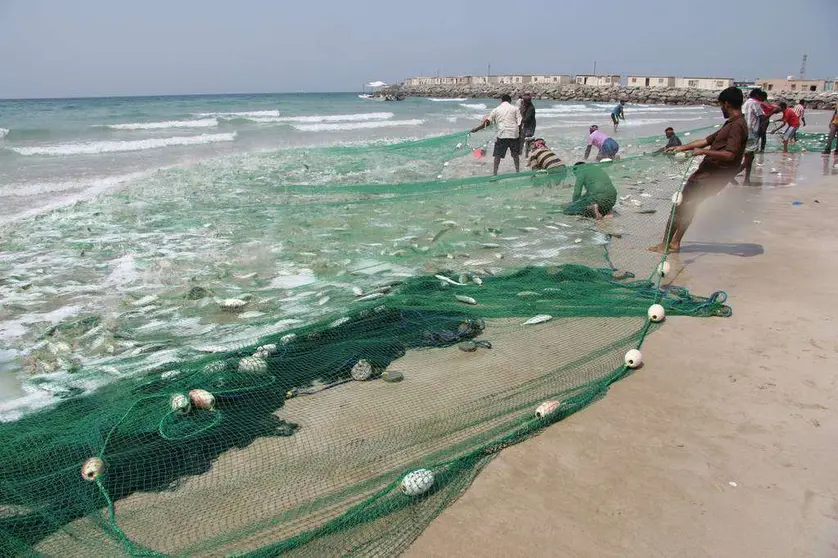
(724, 444)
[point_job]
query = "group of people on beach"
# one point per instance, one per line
(594, 194)
(727, 152)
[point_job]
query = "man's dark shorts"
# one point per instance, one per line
(502, 144)
(703, 184)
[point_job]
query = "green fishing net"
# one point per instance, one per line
(441, 308)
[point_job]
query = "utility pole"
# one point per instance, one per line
(803, 66)
(594, 67)
(489, 70)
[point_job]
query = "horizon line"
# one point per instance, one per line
(151, 95)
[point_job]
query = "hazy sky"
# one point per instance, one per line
(119, 47)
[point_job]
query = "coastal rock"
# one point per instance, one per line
(610, 93)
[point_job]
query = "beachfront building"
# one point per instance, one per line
(591, 79)
(514, 79)
(414, 81)
(793, 84)
(555, 79)
(651, 81)
(705, 83)
(438, 80)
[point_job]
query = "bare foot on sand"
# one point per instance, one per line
(674, 248)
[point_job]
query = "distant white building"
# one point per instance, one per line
(514, 79)
(706, 83)
(556, 79)
(651, 81)
(795, 85)
(591, 79)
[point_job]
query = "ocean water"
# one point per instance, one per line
(113, 210)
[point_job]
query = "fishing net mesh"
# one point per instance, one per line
(427, 346)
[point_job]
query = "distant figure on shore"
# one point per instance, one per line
(672, 140)
(833, 132)
(600, 193)
(617, 114)
(543, 158)
(752, 112)
(527, 122)
(800, 110)
(607, 147)
(768, 111)
(792, 122)
(507, 120)
(721, 160)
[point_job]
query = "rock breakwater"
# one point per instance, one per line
(668, 96)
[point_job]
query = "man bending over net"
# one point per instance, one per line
(600, 193)
(720, 164)
(607, 147)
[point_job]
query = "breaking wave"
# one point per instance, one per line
(339, 127)
(203, 123)
(95, 147)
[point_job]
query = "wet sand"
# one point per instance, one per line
(724, 443)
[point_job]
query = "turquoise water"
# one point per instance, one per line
(112, 211)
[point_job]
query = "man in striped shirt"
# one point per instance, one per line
(542, 158)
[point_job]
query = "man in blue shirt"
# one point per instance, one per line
(617, 114)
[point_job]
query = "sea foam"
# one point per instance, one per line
(94, 147)
(4, 132)
(316, 118)
(338, 127)
(244, 114)
(203, 123)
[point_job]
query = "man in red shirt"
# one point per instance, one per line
(792, 121)
(768, 110)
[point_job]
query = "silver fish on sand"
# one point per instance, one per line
(213, 349)
(465, 299)
(372, 296)
(540, 319)
(448, 280)
(232, 304)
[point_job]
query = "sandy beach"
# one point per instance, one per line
(723, 444)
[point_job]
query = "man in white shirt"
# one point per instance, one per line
(752, 111)
(507, 120)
